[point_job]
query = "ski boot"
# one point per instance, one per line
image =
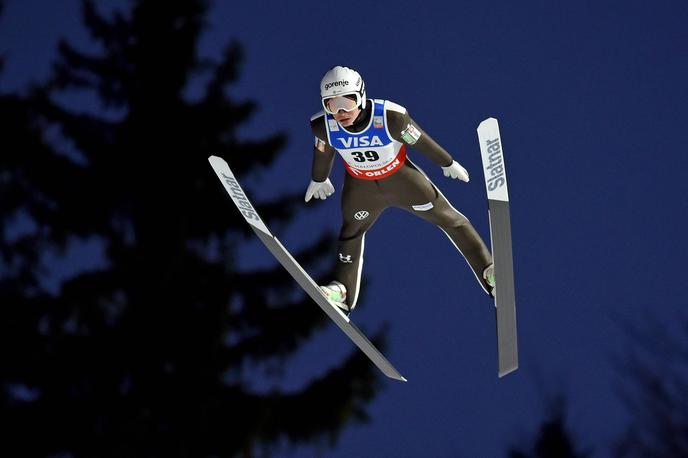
(336, 293)
(489, 276)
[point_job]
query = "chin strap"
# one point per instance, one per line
(362, 117)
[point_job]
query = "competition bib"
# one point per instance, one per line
(371, 154)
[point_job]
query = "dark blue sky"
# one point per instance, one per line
(591, 99)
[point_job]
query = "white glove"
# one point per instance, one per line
(456, 171)
(319, 189)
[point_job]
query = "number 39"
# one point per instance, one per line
(363, 156)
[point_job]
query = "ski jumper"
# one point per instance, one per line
(380, 175)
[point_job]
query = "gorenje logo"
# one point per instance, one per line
(336, 83)
(242, 202)
(496, 166)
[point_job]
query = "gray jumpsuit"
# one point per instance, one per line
(407, 187)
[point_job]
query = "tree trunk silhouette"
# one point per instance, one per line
(153, 353)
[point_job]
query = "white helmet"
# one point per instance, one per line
(343, 81)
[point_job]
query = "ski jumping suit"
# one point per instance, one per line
(380, 176)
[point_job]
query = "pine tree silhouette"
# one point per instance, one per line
(147, 356)
(654, 386)
(2, 58)
(553, 439)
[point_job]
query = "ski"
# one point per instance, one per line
(500, 233)
(245, 207)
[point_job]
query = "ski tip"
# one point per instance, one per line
(487, 121)
(212, 159)
(403, 379)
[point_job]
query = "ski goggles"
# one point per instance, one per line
(348, 102)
